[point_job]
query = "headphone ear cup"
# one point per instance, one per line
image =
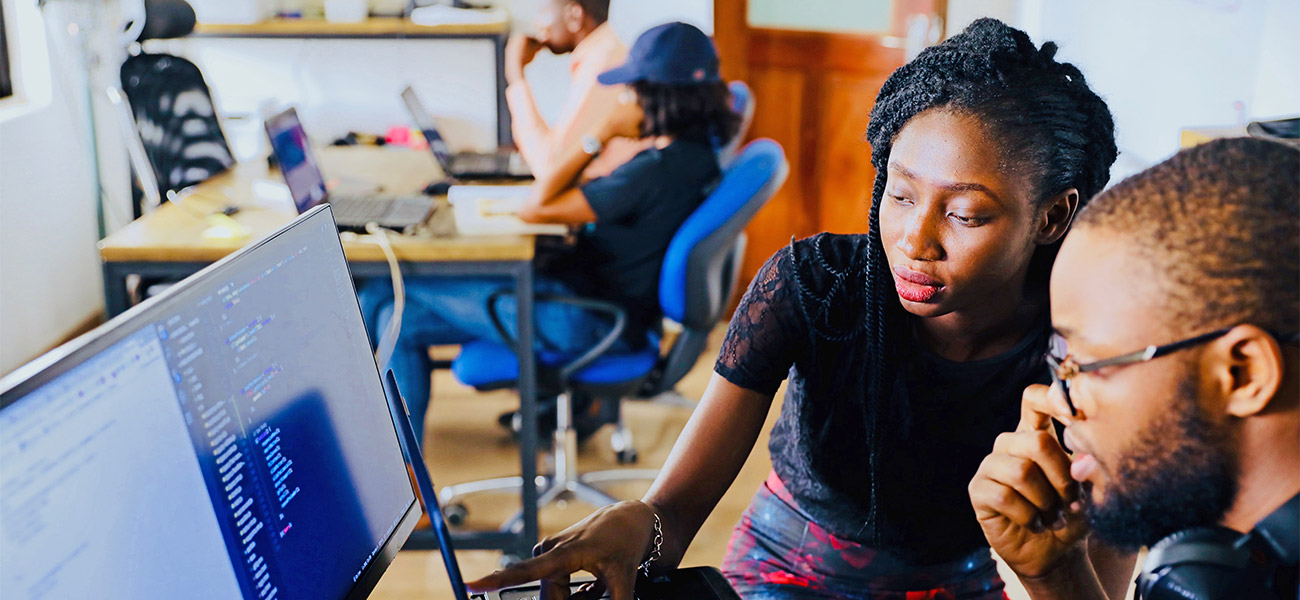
(1192, 564)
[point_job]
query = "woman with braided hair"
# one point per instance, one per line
(906, 349)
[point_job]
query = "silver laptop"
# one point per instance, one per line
(463, 165)
(301, 173)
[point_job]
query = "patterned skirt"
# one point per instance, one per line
(778, 552)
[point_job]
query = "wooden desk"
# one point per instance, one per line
(170, 242)
(382, 28)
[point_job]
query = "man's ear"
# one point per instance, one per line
(1246, 366)
(575, 16)
(1056, 217)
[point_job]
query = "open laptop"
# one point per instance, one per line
(229, 438)
(463, 165)
(302, 174)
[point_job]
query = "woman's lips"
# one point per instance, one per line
(915, 287)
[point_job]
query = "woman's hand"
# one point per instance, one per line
(1024, 498)
(610, 544)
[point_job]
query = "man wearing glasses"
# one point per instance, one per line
(1176, 375)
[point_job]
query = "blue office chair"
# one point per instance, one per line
(696, 285)
(742, 102)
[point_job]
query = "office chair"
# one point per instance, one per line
(171, 108)
(696, 285)
(742, 102)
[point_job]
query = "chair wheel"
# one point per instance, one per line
(627, 456)
(456, 514)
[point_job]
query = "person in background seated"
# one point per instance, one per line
(580, 28)
(677, 104)
(906, 349)
(1197, 258)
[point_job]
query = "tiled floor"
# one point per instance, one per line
(465, 443)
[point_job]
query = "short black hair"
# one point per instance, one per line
(598, 10)
(1220, 223)
(698, 112)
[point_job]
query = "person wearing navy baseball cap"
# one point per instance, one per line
(672, 104)
(670, 54)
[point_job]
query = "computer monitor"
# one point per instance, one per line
(228, 439)
(292, 149)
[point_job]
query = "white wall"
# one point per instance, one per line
(49, 268)
(353, 85)
(1166, 65)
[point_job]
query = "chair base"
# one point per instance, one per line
(565, 483)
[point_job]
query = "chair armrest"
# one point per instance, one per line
(587, 357)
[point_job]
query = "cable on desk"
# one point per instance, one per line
(388, 340)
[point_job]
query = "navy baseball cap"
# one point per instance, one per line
(670, 54)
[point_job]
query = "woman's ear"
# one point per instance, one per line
(1055, 218)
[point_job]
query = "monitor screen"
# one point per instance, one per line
(229, 439)
(424, 121)
(292, 150)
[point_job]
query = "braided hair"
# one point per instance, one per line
(1050, 127)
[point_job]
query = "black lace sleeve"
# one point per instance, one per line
(765, 333)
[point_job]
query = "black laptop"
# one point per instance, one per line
(301, 173)
(463, 165)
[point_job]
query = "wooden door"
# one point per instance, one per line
(814, 92)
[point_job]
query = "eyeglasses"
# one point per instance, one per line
(1063, 369)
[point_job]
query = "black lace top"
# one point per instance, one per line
(803, 318)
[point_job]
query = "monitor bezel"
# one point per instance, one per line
(49, 366)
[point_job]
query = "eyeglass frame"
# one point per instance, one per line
(1056, 366)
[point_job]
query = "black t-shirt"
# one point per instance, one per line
(802, 318)
(639, 208)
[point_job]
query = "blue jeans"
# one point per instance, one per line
(453, 310)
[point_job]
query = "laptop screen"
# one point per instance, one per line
(229, 439)
(424, 121)
(293, 151)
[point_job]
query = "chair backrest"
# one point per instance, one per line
(702, 262)
(742, 102)
(175, 119)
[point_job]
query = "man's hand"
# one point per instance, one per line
(1024, 498)
(520, 51)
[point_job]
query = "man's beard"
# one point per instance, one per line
(1181, 473)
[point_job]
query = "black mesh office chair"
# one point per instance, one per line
(171, 106)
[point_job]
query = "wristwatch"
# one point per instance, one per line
(592, 144)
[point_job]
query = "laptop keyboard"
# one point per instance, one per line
(363, 209)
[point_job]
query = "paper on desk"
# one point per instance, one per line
(491, 210)
(440, 14)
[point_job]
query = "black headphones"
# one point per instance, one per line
(1212, 563)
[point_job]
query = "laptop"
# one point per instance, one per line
(228, 438)
(302, 174)
(463, 165)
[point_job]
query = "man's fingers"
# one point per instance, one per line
(1023, 476)
(994, 499)
(519, 573)
(1042, 448)
(1033, 415)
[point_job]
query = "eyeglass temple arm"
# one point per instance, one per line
(1151, 352)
